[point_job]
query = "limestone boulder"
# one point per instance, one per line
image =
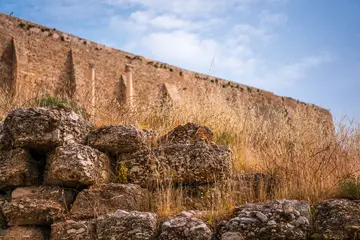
(337, 219)
(120, 139)
(188, 134)
(77, 165)
(185, 226)
(25, 233)
(45, 128)
(197, 163)
(279, 220)
(37, 205)
(74, 230)
(17, 168)
(107, 198)
(5, 140)
(3, 199)
(127, 226)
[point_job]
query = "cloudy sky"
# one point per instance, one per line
(306, 49)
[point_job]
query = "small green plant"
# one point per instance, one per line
(29, 26)
(350, 188)
(22, 25)
(216, 80)
(282, 99)
(171, 70)
(122, 173)
(62, 38)
(181, 73)
(58, 102)
(249, 89)
(224, 85)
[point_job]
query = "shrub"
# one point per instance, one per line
(181, 73)
(350, 188)
(22, 25)
(58, 102)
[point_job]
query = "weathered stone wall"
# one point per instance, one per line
(62, 179)
(35, 58)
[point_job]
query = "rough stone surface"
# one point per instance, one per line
(73, 230)
(120, 139)
(17, 168)
(77, 165)
(3, 199)
(185, 226)
(43, 128)
(188, 134)
(5, 140)
(280, 220)
(24, 233)
(197, 163)
(127, 226)
(337, 219)
(106, 199)
(37, 205)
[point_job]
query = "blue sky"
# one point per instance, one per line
(305, 49)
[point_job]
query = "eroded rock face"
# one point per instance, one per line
(73, 230)
(185, 226)
(25, 233)
(17, 168)
(77, 165)
(120, 139)
(197, 163)
(337, 219)
(3, 199)
(106, 199)
(188, 134)
(44, 129)
(37, 205)
(280, 220)
(127, 225)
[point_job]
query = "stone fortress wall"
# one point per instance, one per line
(36, 58)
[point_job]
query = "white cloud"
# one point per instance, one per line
(176, 32)
(272, 19)
(288, 74)
(184, 7)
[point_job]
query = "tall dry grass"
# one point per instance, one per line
(306, 158)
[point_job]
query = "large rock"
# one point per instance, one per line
(17, 168)
(37, 205)
(120, 139)
(25, 233)
(5, 139)
(44, 129)
(196, 163)
(126, 226)
(73, 230)
(337, 219)
(77, 165)
(280, 220)
(106, 199)
(188, 134)
(185, 226)
(3, 199)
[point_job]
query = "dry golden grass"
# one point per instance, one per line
(305, 156)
